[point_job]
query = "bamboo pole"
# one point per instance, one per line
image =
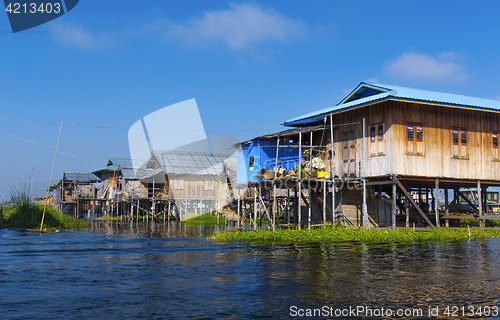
(332, 175)
(365, 209)
(51, 174)
(300, 179)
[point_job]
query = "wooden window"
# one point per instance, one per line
(459, 143)
(377, 146)
(495, 146)
(414, 139)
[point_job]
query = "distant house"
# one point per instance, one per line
(72, 189)
(196, 183)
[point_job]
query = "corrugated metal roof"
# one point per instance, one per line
(281, 134)
(125, 166)
(400, 93)
(191, 163)
(80, 177)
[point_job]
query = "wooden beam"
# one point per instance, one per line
(412, 201)
(460, 194)
(379, 183)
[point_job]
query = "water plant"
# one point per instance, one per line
(328, 233)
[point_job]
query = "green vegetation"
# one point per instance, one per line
(328, 233)
(206, 219)
(30, 218)
(26, 214)
(475, 222)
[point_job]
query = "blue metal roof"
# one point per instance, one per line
(370, 93)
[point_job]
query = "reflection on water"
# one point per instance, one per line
(168, 270)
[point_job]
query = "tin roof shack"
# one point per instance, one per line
(75, 190)
(415, 140)
(197, 183)
(126, 187)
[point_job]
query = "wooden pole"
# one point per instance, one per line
(480, 204)
(446, 209)
(332, 173)
(275, 203)
(365, 208)
(407, 213)
(310, 174)
(324, 200)
(255, 208)
(436, 203)
(300, 180)
(287, 205)
(51, 174)
(394, 206)
(239, 205)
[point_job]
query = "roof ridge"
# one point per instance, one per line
(425, 90)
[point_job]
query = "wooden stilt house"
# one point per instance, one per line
(415, 140)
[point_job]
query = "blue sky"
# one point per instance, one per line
(249, 65)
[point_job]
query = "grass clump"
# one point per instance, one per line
(26, 214)
(206, 219)
(31, 218)
(330, 233)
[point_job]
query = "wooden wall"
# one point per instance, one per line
(436, 156)
(438, 159)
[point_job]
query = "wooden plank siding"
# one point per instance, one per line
(436, 158)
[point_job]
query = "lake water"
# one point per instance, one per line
(157, 270)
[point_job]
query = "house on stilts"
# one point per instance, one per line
(383, 156)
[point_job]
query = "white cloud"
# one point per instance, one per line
(70, 34)
(239, 27)
(445, 67)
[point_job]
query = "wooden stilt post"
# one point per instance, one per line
(300, 180)
(436, 203)
(309, 190)
(310, 175)
(446, 208)
(295, 205)
(324, 200)
(365, 208)
(239, 206)
(480, 204)
(255, 208)
(407, 213)
(287, 205)
(394, 205)
(332, 173)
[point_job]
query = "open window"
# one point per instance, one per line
(377, 146)
(415, 139)
(459, 147)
